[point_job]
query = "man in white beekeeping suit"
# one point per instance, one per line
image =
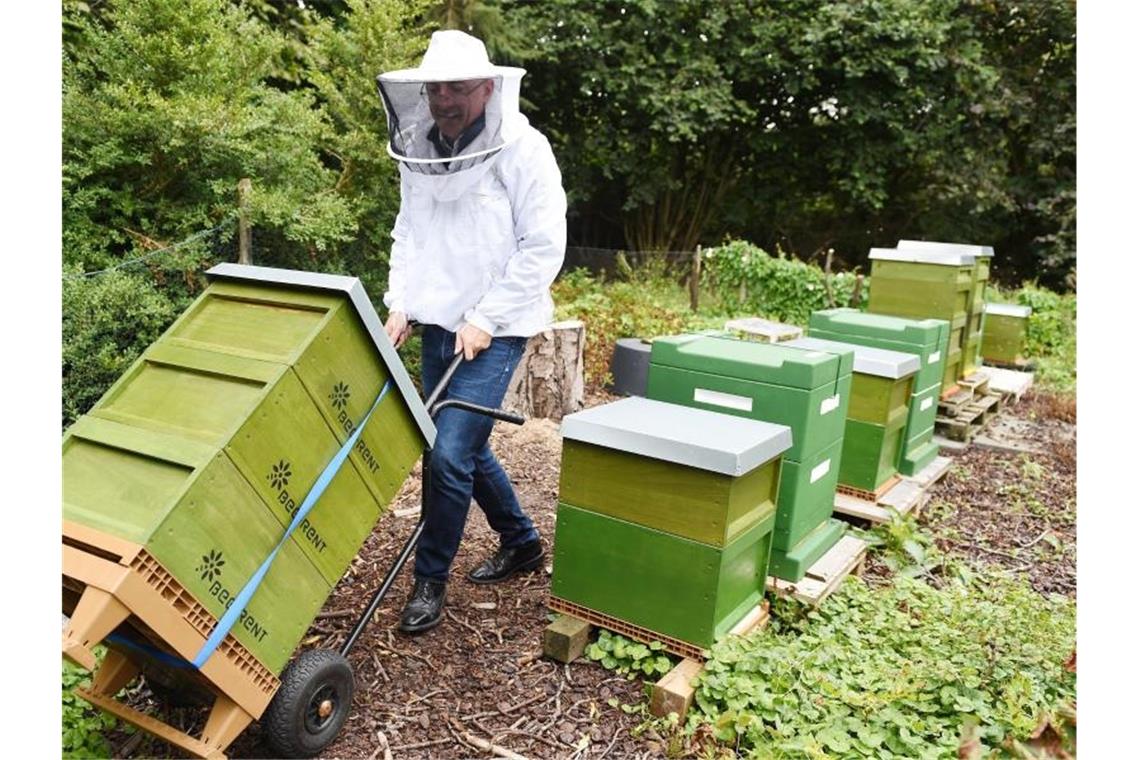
(480, 236)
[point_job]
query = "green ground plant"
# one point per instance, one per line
(83, 725)
(892, 672)
(629, 658)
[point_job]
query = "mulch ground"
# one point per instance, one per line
(478, 678)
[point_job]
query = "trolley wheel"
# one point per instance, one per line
(311, 704)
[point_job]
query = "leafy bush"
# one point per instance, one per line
(83, 725)
(892, 672)
(750, 281)
(108, 320)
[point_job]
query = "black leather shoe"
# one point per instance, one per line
(424, 609)
(508, 562)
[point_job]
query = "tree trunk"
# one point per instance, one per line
(550, 379)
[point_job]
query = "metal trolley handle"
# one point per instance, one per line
(434, 406)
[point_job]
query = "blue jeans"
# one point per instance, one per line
(461, 461)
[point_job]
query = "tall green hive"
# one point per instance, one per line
(1003, 341)
(926, 338)
(876, 415)
(807, 391)
(204, 449)
(926, 285)
(975, 311)
(665, 515)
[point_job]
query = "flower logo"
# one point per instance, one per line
(211, 566)
(339, 395)
(279, 476)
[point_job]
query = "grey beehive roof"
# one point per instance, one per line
(948, 258)
(352, 287)
(868, 361)
(986, 251)
(1008, 310)
(710, 441)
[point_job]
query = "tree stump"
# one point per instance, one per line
(550, 379)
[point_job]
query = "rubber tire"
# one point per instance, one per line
(284, 724)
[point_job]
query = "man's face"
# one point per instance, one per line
(455, 105)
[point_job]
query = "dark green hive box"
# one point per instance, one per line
(1003, 339)
(665, 515)
(807, 391)
(918, 451)
(205, 448)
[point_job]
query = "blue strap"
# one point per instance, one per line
(158, 654)
(242, 599)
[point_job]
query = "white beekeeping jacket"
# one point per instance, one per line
(481, 232)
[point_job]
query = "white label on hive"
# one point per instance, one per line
(820, 470)
(728, 400)
(829, 404)
(926, 404)
(934, 357)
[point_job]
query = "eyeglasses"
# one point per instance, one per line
(431, 90)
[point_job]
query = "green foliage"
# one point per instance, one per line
(892, 672)
(905, 548)
(166, 105)
(748, 280)
(1051, 336)
(83, 725)
(629, 658)
(107, 323)
(646, 305)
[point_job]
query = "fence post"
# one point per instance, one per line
(245, 244)
(695, 280)
(857, 292)
(827, 279)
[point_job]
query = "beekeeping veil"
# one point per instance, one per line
(434, 126)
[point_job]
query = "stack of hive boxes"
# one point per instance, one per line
(1004, 337)
(198, 457)
(665, 518)
(877, 413)
(975, 309)
(926, 338)
(926, 285)
(807, 391)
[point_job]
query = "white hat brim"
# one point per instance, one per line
(449, 75)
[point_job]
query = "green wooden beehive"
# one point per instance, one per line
(927, 338)
(1003, 340)
(805, 390)
(926, 285)
(876, 417)
(205, 448)
(665, 515)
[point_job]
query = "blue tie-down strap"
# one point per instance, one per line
(242, 599)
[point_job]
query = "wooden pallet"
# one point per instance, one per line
(906, 497)
(822, 578)
(970, 419)
(931, 473)
(757, 618)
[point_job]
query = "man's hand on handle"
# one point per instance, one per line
(471, 340)
(397, 328)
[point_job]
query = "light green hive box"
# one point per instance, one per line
(665, 515)
(1003, 340)
(926, 284)
(807, 391)
(876, 417)
(205, 448)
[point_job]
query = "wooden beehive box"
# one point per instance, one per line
(202, 452)
(807, 391)
(1003, 340)
(665, 515)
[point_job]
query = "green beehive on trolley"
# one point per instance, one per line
(877, 413)
(665, 517)
(202, 452)
(926, 285)
(975, 309)
(926, 338)
(807, 391)
(1003, 341)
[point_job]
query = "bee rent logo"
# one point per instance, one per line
(339, 398)
(210, 571)
(278, 477)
